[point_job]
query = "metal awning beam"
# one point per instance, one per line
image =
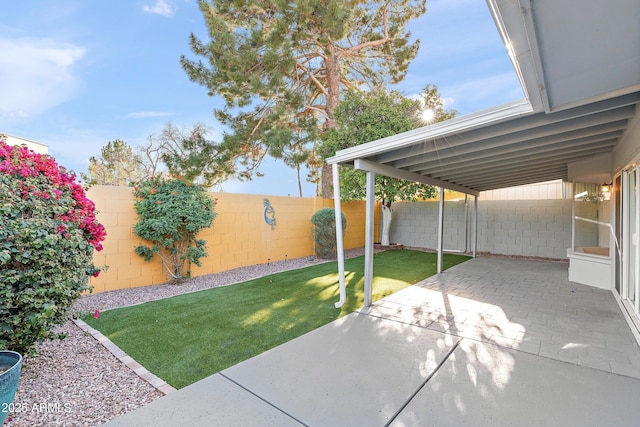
(369, 166)
(467, 123)
(436, 166)
(516, 121)
(498, 169)
(508, 173)
(447, 156)
(561, 154)
(601, 123)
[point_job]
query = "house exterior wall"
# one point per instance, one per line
(239, 236)
(539, 228)
(556, 189)
(628, 148)
(32, 145)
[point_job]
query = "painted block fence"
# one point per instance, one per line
(239, 236)
(537, 228)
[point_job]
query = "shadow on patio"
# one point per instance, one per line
(490, 341)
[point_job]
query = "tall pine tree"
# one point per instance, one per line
(280, 66)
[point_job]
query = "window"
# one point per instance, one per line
(591, 218)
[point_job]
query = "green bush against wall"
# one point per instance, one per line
(324, 232)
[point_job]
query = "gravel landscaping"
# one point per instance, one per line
(78, 382)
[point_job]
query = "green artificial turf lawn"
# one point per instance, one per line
(189, 337)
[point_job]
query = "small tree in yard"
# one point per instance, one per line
(171, 212)
(117, 165)
(365, 117)
(48, 233)
(324, 232)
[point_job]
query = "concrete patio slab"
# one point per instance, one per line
(213, 401)
(488, 342)
(529, 306)
(487, 385)
(358, 370)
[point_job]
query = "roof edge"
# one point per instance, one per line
(453, 126)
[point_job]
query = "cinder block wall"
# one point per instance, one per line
(239, 236)
(125, 268)
(415, 224)
(540, 228)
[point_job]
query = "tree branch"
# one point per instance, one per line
(373, 43)
(313, 78)
(321, 110)
(260, 120)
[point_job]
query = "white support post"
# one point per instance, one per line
(339, 237)
(440, 229)
(475, 225)
(368, 240)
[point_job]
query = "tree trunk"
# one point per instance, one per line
(299, 182)
(386, 225)
(333, 98)
(327, 181)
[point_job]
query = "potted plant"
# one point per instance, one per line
(10, 366)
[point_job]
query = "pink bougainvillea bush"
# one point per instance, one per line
(48, 233)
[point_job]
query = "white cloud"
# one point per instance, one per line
(475, 94)
(36, 75)
(146, 114)
(160, 7)
(447, 101)
(498, 89)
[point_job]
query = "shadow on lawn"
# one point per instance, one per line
(188, 337)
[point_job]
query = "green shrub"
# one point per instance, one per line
(324, 232)
(171, 212)
(47, 237)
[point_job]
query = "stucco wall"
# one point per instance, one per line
(32, 145)
(540, 228)
(239, 235)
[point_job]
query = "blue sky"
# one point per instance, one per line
(75, 74)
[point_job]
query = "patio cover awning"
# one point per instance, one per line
(503, 147)
(579, 66)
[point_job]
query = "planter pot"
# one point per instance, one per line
(10, 366)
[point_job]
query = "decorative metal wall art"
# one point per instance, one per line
(269, 213)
